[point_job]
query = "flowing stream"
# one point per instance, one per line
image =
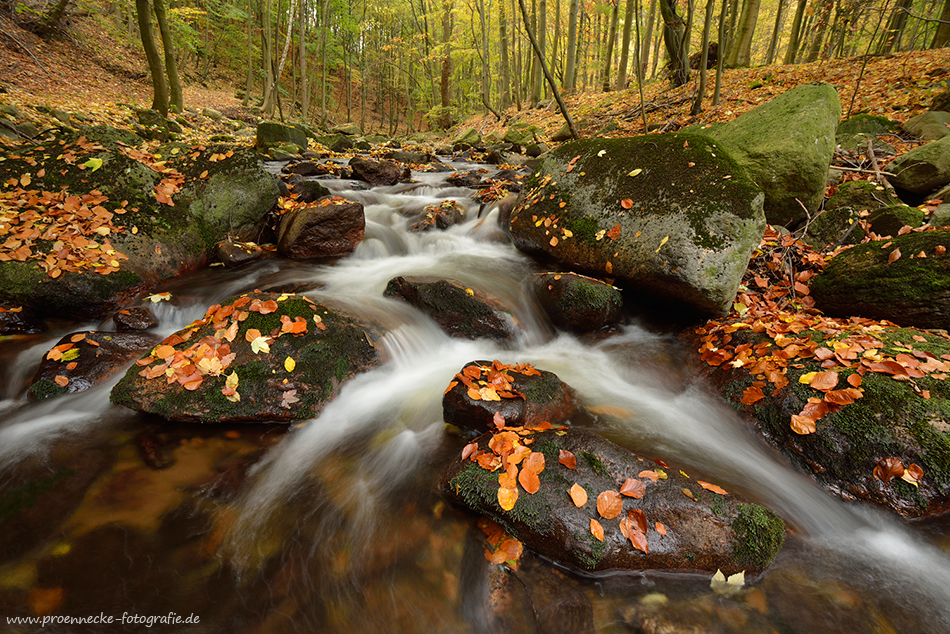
(335, 524)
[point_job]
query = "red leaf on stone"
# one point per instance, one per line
(567, 459)
(633, 488)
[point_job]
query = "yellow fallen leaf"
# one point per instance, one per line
(635, 172)
(662, 242)
(289, 364)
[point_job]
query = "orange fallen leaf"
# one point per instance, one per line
(578, 495)
(649, 473)
(802, 425)
(712, 487)
(626, 203)
(596, 529)
(660, 528)
(639, 540)
(751, 395)
(534, 462)
(507, 498)
(824, 381)
(61, 380)
(888, 468)
(529, 481)
(609, 504)
(567, 459)
(633, 488)
(894, 256)
(614, 232)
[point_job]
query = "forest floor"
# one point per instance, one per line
(89, 70)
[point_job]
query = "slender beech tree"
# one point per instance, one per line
(611, 40)
(674, 37)
(175, 98)
(647, 40)
(776, 30)
(942, 36)
(704, 59)
(625, 46)
(570, 63)
(821, 27)
(445, 88)
(503, 48)
(159, 85)
(740, 52)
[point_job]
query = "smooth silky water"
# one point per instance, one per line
(335, 524)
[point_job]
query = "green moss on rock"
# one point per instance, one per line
(759, 533)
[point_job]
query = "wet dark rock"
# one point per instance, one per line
(88, 361)
(460, 311)
(439, 217)
(891, 420)
(134, 319)
(537, 396)
(306, 168)
(577, 303)
(416, 158)
(535, 150)
(338, 143)
(234, 254)
(910, 291)
(682, 228)
(376, 173)
(310, 191)
(317, 230)
(332, 349)
(443, 150)
(834, 226)
(703, 530)
(465, 179)
(17, 320)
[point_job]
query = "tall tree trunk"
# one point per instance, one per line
(159, 85)
(733, 15)
(250, 60)
(324, 34)
(611, 40)
(267, 55)
(625, 46)
(719, 59)
(274, 87)
(795, 38)
(674, 34)
(707, 22)
(571, 62)
(740, 53)
(503, 46)
(773, 41)
(304, 91)
(486, 78)
(175, 99)
(445, 88)
(555, 64)
(821, 27)
(646, 41)
(942, 36)
(895, 26)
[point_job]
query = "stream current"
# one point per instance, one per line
(335, 524)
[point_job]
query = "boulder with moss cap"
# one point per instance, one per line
(668, 216)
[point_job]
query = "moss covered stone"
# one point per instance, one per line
(923, 169)
(890, 220)
(225, 190)
(270, 387)
(703, 531)
(910, 291)
(577, 303)
(892, 419)
(868, 124)
(786, 146)
(667, 215)
(861, 196)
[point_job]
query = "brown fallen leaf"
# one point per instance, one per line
(567, 459)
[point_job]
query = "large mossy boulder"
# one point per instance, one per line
(833, 227)
(256, 357)
(898, 416)
(460, 311)
(923, 169)
(868, 124)
(677, 523)
(468, 138)
(861, 196)
(146, 217)
(786, 146)
(521, 133)
(272, 135)
(905, 280)
(670, 216)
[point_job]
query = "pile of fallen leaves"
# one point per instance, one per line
(774, 303)
(212, 355)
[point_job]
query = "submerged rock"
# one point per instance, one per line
(16, 320)
(440, 216)
(670, 216)
(676, 522)
(256, 357)
(376, 173)
(577, 303)
(84, 359)
(521, 394)
(460, 311)
(909, 290)
(134, 319)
